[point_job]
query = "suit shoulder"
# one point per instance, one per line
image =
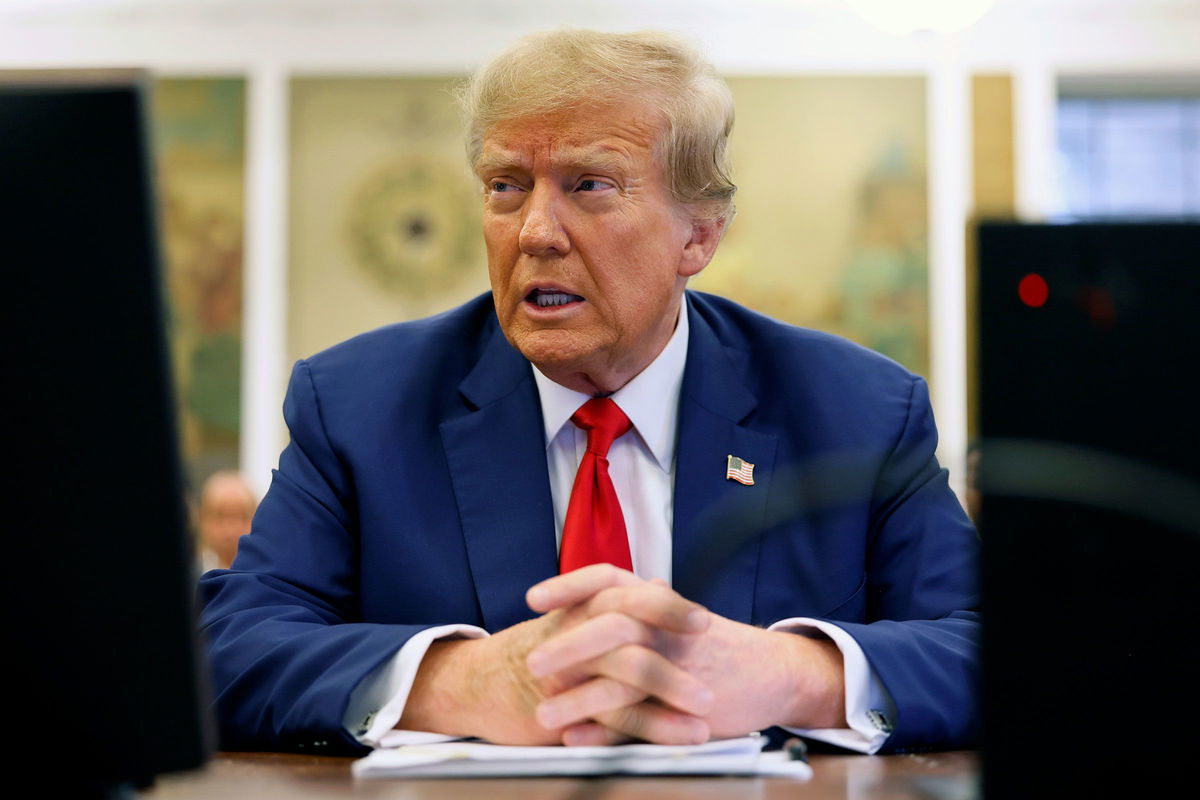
(450, 336)
(775, 346)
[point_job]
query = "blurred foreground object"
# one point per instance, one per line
(1091, 504)
(106, 680)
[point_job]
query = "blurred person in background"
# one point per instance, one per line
(227, 506)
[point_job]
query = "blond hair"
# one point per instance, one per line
(569, 68)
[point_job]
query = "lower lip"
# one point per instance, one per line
(552, 312)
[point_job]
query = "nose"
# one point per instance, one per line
(542, 232)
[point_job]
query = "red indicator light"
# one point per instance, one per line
(1033, 290)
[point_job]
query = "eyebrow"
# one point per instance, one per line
(604, 159)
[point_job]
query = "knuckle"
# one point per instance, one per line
(600, 603)
(607, 572)
(605, 694)
(631, 630)
(611, 620)
(638, 661)
(629, 720)
(638, 603)
(616, 694)
(569, 705)
(611, 598)
(620, 629)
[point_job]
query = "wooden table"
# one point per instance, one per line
(268, 776)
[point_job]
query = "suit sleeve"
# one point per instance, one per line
(922, 593)
(285, 637)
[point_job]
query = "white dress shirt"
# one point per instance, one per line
(642, 467)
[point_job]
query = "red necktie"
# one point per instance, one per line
(594, 531)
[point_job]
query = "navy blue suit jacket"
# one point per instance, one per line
(414, 492)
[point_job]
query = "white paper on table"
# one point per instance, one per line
(472, 758)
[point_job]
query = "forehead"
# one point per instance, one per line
(224, 493)
(618, 135)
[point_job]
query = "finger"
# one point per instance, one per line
(655, 675)
(592, 734)
(651, 673)
(574, 587)
(582, 702)
(660, 582)
(656, 605)
(590, 639)
(654, 723)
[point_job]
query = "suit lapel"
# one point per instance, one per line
(717, 522)
(497, 459)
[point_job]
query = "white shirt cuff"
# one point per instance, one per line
(869, 708)
(377, 703)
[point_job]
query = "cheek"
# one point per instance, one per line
(493, 237)
(653, 263)
(500, 246)
(500, 229)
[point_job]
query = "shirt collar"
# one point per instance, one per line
(642, 399)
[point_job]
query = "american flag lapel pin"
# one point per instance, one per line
(738, 470)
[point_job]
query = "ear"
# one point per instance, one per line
(706, 235)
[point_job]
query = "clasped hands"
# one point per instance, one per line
(614, 658)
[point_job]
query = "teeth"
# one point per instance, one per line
(545, 300)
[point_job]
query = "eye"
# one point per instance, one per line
(503, 186)
(592, 185)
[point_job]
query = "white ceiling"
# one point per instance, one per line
(441, 35)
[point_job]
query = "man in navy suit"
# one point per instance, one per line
(792, 554)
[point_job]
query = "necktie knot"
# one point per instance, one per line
(604, 422)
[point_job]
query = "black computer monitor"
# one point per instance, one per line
(1090, 471)
(104, 686)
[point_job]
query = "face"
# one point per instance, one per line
(588, 252)
(226, 514)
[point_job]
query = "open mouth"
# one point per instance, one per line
(550, 298)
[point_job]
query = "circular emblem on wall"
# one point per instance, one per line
(413, 225)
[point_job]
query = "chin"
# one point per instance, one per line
(552, 349)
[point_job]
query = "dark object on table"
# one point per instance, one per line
(1090, 473)
(100, 572)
